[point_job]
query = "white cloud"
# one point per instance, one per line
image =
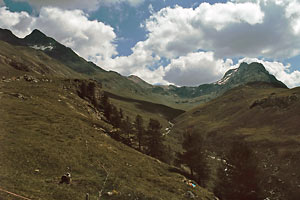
(20, 23)
(153, 77)
(177, 31)
(79, 4)
(267, 28)
(194, 40)
(139, 60)
(219, 15)
(2, 3)
(92, 40)
(229, 29)
(279, 70)
(195, 69)
(292, 12)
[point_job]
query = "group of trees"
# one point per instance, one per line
(148, 140)
(237, 176)
(194, 156)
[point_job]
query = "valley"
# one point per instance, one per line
(53, 123)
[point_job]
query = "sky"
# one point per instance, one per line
(180, 42)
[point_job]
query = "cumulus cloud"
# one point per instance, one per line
(155, 77)
(177, 31)
(138, 60)
(79, 4)
(233, 29)
(20, 23)
(229, 29)
(257, 28)
(92, 40)
(196, 68)
(194, 41)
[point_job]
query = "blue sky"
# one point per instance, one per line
(181, 42)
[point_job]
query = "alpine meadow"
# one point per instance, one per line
(150, 100)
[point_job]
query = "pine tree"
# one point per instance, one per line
(121, 113)
(139, 129)
(91, 89)
(115, 117)
(239, 180)
(127, 129)
(155, 139)
(104, 100)
(83, 90)
(194, 156)
(108, 111)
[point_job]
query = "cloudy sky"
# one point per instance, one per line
(181, 42)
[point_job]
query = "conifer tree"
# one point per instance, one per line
(239, 178)
(104, 100)
(139, 129)
(115, 117)
(194, 156)
(155, 139)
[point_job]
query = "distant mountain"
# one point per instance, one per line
(38, 40)
(9, 37)
(134, 87)
(246, 73)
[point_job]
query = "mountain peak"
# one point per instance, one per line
(254, 67)
(139, 81)
(37, 32)
(246, 73)
(36, 37)
(7, 36)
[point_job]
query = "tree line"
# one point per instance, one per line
(237, 178)
(237, 175)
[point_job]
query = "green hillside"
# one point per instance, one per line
(133, 87)
(46, 130)
(263, 115)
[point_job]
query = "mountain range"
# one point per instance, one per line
(132, 86)
(48, 128)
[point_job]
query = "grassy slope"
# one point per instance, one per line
(46, 127)
(272, 131)
(17, 60)
(147, 110)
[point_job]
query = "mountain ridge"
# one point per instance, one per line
(183, 97)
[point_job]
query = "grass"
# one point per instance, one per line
(147, 110)
(52, 131)
(271, 131)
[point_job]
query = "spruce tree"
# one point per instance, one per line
(155, 139)
(104, 100)
(194, 156)
(139, 129)
(115, 117)
(238, 179)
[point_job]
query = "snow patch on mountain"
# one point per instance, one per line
(41, 47)
(226, 78)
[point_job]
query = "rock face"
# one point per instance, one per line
(275, 101)
(246, 73)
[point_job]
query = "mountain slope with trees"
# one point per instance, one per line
(53, 122)
(132, 86)
(262, 115)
